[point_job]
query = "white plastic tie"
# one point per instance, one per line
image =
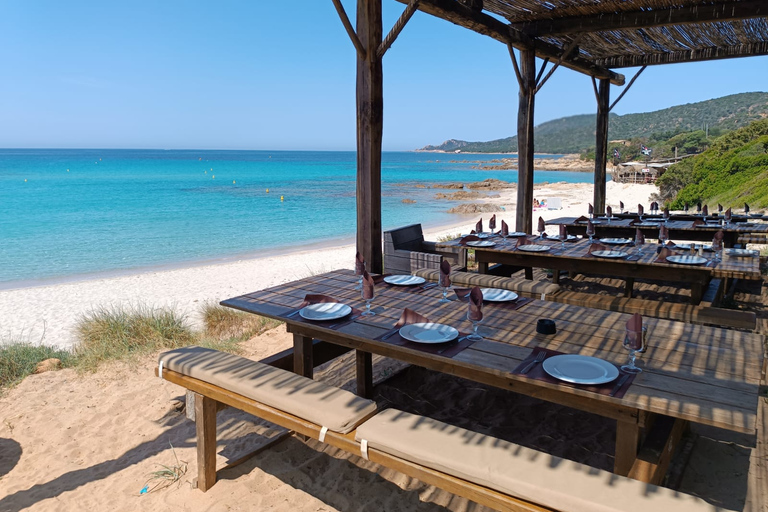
(322, 434)
(364, 449)
(543, 296)
(160, 369)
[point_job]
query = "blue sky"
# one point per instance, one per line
(270, 75)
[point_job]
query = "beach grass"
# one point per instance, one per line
(228, 324)
(20, 358)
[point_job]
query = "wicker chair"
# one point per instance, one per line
(405, 251)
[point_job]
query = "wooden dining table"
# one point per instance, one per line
(691, 373)
(633, 265)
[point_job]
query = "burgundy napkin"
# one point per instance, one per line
(662, 257)
(666, 212)
(521, 240)
(671, 244)
(367, 286)
(316, 298)
(479, 226)
(728, 214)
(698, 207)
(504, 229)
(445, 274)
(409, 316)
(719, 236)
(654, 206)
(359, 264)
(475, 304)
(591, 209)
(635, 331)
(685, 207)
(542, 225)
(621, 205)
(596, 247)
(705, 210)
(719, 207)
(663, 233)
(492, 222)
(698, 222)
(581, 219)
(563, 231)
(640, 209)
(590, 228)
(746, 208)
(468, 238)
(639, 237)
(608, 211)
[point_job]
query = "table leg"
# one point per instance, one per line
(627, 439)
(205, 425)
(556, 276)
(697, 292)
(302, 355)
(364, 368)
(482, 267)
(529, 273)
(629, 286)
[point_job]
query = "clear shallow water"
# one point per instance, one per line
(83, 211)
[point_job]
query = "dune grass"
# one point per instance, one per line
(20, 358)
(226, 323)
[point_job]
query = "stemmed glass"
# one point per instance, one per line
(563, 236)
(717, 248)
(590, 232)
(639, 243)
(634, 345)
(475, 325)
(445, 292)
(368, 301)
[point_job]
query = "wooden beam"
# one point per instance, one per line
(205, 425)
(397, 28)
(713, 53)
(724, 11)
(348, 27)
(370, 108)
(461, 15)
(527, 95)
(627, 88)
(601, 143)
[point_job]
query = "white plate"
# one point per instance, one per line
(496, 295)
(686, 260)
(325, 311)
(609, 254)
(740, 252)
(404, 280)
(516, 234)
(428, 333)
(580, 369)
(615, 241)
(586, 221)
(482, 235)
(534, 248)
(556, 237)
(481, 243)
(647, 225)
(687, 247)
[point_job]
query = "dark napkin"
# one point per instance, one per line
(492, 222)
(590, 209)
(746, 208)
(665, 213)
(621, 205)
(448, 349)
(654, 206)
(542, 225)
(359, 264)
(639, 237)
(504, 229)
(698, 222)
(462, 294)
(479, 226)
(590, 228)
(581, 219)
(728, 214)
(663, 233)
(640, 209)
(445, 274)
(468, 238)
(705, 210)
(719, 207)
(608, 211)
(596, 247)
(635, 331)
(563, 232)
(698, 207)
(368, 286)
(662, 257)
(475, 304)
(538, 373)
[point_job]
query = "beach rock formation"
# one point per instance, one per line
(461, 195)
(409, 201)
(476, 208)
(491, 184)
(450, 186)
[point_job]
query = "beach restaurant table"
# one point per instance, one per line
(691, 373)
(575, 258)
(678, 229)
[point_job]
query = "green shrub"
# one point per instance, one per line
(19, 359)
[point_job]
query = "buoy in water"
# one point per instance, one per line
(233, 182)
(213, 176)
(67, 170)
(281, 199)
(25, 180)
(267, 191)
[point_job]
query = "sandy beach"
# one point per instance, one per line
(49, 313)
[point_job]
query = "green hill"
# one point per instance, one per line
(576, 134)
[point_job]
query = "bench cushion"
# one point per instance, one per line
(515, 470)
(525, 287)
(324, 405)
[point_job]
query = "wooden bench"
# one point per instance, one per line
(753, 238)
(481, 468)
(405, 250)
(518, 284)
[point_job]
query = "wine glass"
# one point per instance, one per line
(475, 325)
(717, 248)
(639, 243)
(368, 301)
(590, 232)
(445, 288)
(359, 285)
(635, 343)
(563, 236)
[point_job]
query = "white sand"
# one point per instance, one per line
(49, 313)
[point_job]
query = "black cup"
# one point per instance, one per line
(544, 326)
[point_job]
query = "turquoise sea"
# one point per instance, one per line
(69, 212)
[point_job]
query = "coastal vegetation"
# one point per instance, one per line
(576, 134)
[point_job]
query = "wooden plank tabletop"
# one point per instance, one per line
(751, 226)
(697, 373)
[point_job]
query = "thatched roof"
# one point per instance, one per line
(606, 34)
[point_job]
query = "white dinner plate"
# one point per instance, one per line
(325, 311)
(687, 247)
(609, 254)
(428, 333)
(556, 237)
(686, 260)
(497, 295)
(615, 241)
(481, 243)
(741, 252)
(534, 248)
(404, 280)
(516, 234)
(647, 225)
(578, 369)
(593, 222)
(483, 235)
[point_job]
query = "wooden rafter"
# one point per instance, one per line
(698, 55)
(481, 23)
(397, 27)
(725, 11)
(626, 89)
(350, 30)
(540, 83)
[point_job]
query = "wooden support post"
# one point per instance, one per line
(205, 424)
(303, 362)
(364, 367)
(601, 144)
(627, 439)
(370, 107)
(524, 209)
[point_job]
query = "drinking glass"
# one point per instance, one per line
(717, 248)
(563, 237)
(634, 346)
(359, 285)
(639, 243)
(590, 232)
(445, 295)
(475, 325)
(367, 311)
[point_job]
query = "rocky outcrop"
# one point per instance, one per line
(490, 184)
(476, 208)
(461, 195)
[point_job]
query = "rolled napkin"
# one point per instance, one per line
(504, 229)
(468, 238)
(596, 247)
(590, 209)
(719, 207)
(639, 237)
(746, 208)
(367, 286)
(609, 211)
(479, 226)
(316, 298)
(621, 205)
(662, 257)
(665, 213)
(359, 264)
(728, 214)
(581, 219)
(445, 274)
(409, 316)
(705, 210)
(640, 209)
(563, 232)
(635, 332)
(542, 225)
(492, 222)
(475, 304)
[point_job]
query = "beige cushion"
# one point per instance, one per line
(514, 470)
(525, 287)
(319, 403)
